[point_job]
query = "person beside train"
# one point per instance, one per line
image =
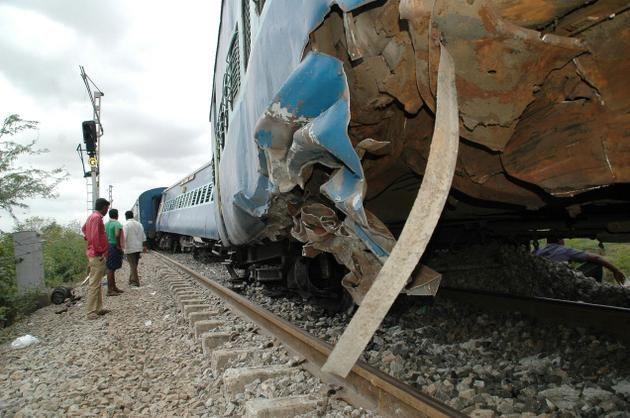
(135, 243)
(592, 264)
(94, 233)
(113, 229)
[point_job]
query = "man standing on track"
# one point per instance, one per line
(94, 233)
(135, 242)
(114, 232)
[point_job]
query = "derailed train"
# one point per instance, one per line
(326, 116)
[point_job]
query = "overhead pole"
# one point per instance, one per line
(95, 94)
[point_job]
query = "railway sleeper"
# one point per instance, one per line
(185, 302)
(186, 295)
(188, 309)
(201, 315)
(179, 287)
(213, 340)
(285, 407)
(221, 359)
(235, 379)
(202, 327)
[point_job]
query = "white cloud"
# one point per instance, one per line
(24, 29)
(152, 59)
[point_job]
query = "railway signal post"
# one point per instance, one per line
(92, 132)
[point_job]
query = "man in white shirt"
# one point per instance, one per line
(135, 242)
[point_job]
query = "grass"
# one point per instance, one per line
(616, 253)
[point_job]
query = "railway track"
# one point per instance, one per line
(611, 320)
(364, 387)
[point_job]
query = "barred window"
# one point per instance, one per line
(204, 192)
(232, 76)
(222, 123)
(206, 197)
(247, 34)
(231, 86)
(259, 6)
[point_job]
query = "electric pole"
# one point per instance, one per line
(111, 196)
(92, 133)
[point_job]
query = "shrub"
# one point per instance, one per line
(64, 263)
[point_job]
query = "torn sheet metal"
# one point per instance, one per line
(319, 227)
(498, 63)
(277, 49)
(415, 236)
(425, 282)
(306, 124)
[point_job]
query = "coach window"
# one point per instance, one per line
(232, 76)
(247, 31)
(202, 198)
(207, 196)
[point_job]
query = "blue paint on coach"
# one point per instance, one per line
(146, 209)
(188, 206)
(279, 36)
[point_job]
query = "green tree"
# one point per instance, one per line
(19, 183)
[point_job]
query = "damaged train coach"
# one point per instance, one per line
(347, 133)
(349, 136)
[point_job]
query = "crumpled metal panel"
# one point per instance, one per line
(498, 63)
(575, 136)
(362, 252)
(276, 52)
(566, 157)
(306, 124)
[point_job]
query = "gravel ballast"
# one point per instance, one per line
(141, 359)
(482, 364)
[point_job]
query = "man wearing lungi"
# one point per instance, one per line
(113, 229)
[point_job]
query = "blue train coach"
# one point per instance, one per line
(146, 208)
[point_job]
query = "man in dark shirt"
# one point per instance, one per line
(592, 263)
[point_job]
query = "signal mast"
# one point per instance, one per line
(92, 132)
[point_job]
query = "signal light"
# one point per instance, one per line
(89, 137)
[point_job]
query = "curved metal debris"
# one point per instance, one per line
(417, 231)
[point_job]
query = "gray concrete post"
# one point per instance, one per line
(29, 261)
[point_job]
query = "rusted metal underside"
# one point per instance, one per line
(543, 118)
(543, 112)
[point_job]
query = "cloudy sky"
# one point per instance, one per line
(152, 59)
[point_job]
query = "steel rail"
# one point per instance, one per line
(365, 386)
(612, 320)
